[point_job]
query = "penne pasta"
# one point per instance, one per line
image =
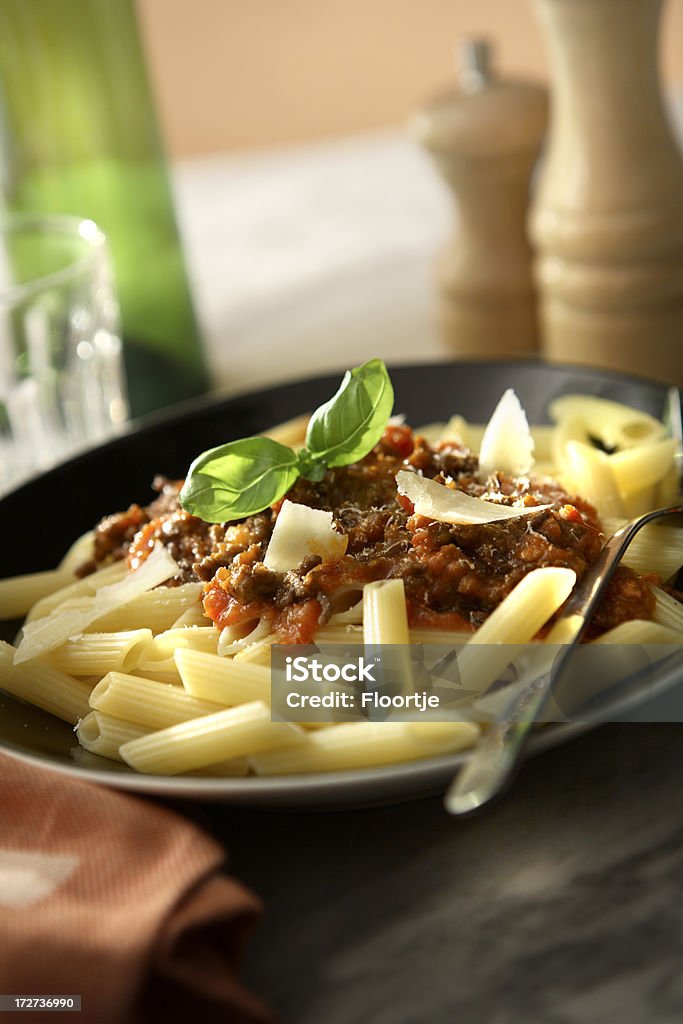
(657, 549)
(192, 616)
(385, 620)
(516, 620)
(613, 424)
(591, 474)
(95, 654)
(146, 702)
(366, 744)
(222, 680)
(18, 594)
(157, 660)
(235, 732)
(668, 611)
(103, 735)
(257, 653)
(39, 683)
(644, 466)
(641, 631)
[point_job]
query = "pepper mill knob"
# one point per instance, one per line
(484, 135)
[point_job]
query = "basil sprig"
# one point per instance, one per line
(244, 477)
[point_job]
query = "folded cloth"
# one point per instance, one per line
(120, 901)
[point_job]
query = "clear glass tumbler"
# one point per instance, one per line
(61, 371)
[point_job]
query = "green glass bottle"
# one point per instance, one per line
(78, 134)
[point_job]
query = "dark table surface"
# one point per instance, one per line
(562, 903)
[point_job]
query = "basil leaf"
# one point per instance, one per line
(348, 426)
(238, 479)
(310, 467)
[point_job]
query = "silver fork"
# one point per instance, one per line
(492, 764)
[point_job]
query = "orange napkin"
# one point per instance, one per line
(119, 901)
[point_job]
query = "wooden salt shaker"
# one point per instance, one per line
(607, 222)
(484, 135)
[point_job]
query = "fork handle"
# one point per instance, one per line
(493, 764)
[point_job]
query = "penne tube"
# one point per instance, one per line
(232, 732)
(615, 425)
(668, 611)
(40, 684)
(385, 619)
(641, 631)
(18, 594)
(157, 660)
(103, 734)
(339, 635)
(233, 639)
(637, 503)
(192, 616)
(353, 616)
(592, 476)
(257, 653)
(565, 629)
(656, 549)
(516, 621)
(222, 680)
(354, 635)
(440, 637)
(385, 622)
(644, 466)
(146, 702)
(95, 654)
(196, 638)
(366, 744)
(669, 487)
(160, 670)
(568, 430)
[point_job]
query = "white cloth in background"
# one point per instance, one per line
(313, 258)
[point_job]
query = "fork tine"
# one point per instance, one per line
(673, 417)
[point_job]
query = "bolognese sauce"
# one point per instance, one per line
(454, 575)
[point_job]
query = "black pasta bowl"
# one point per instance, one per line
(40, 520)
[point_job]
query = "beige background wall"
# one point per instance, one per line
(247, 73)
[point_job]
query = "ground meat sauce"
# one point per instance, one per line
(454, 576)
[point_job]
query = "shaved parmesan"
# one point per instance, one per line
(47, 633)
(507, 445)
(434, 501)
(300, 532)
(159, 567)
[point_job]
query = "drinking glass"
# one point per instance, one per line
(61, 371)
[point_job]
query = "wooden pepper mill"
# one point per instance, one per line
(607, 221)
(484, 135)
